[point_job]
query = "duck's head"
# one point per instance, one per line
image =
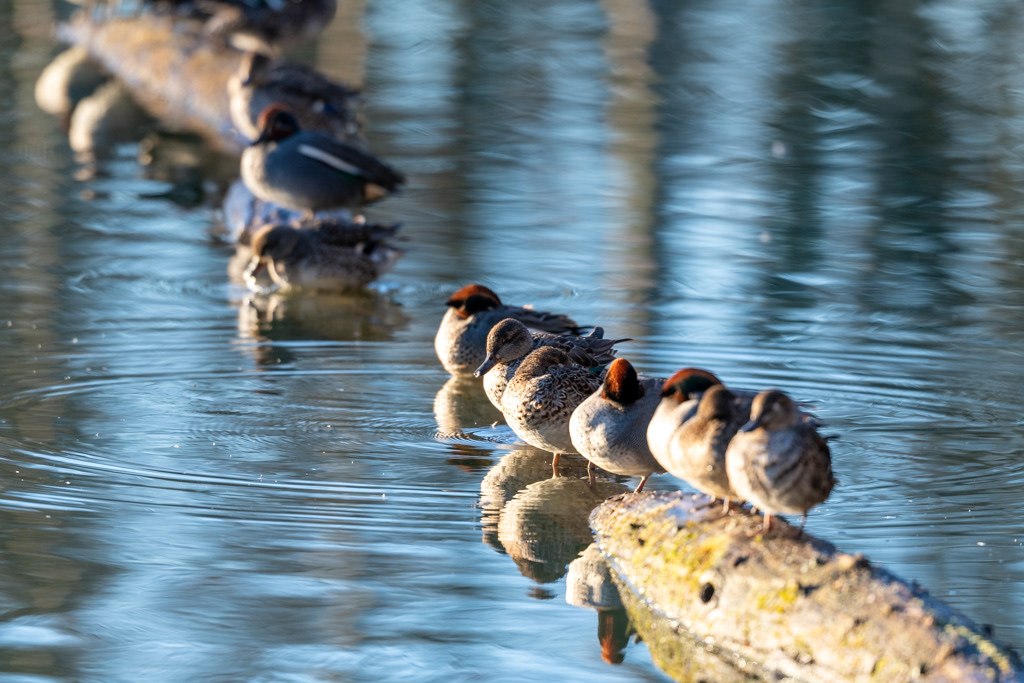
(252, 66)
(473, 298)
(621, 383)
(772, 409)
(541, 360)
(716, 403)
(271, 242)
(276, 123)
(507, 341)
(686, 382)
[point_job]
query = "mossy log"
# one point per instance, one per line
(174, 72)
(778, 606)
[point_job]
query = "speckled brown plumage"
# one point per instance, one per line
(542, 395)
(510, 341)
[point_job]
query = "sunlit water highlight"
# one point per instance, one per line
(198, 484)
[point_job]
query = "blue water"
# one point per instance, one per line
(198, 484)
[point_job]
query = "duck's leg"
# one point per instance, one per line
(766, 526)
(727, 507)
(590, 473)
(640, 486)
(554, 465)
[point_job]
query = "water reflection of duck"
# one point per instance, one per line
(461, 404)
(509, 342)
(522, 466)
(311, 171)
(610, 427)
(461, 339)
(588, 584)
(317, 102)
(322, 255)
(545, 525)
(778, 461)
(540, 398)
(265, 319)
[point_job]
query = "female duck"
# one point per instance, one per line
(317, 102)
(778, 461)
(509, 342)
(610, 427)
(323, 255)
(541, 397)
(461, 339)
(696, 452)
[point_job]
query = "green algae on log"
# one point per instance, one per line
(173, 72)
(776, 606)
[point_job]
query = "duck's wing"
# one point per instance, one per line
(349, 159)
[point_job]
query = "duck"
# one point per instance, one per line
(696, 450)
(609, 428)
(310, 171)
(777, 460)
(322, 255)
(461, 339)
(510, 341)
(679, 399)
(254, 25)
(541, 397)
(317, 102)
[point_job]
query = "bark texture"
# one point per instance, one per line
(778, 607)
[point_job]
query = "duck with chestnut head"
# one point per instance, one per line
(461, 339)
(610, 427)
(310, 171)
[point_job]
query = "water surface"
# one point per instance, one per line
(196, 484)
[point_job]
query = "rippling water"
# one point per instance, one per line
(200, 485)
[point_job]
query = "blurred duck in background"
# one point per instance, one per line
(322, 255)
(317, 102)
(310, 171)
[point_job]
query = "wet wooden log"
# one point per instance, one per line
(777, 606)
(177, 75)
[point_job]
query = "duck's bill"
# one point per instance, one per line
(488, 363)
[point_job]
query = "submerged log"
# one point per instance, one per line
(177, 75)
(779, 606)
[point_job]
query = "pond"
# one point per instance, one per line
(201, 484)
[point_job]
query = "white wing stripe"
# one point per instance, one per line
(330, 160)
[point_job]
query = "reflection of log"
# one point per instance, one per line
(779, 606)
(176, 75)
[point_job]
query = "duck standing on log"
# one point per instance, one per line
(610, 427)
(778, 461)
(310, 171)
